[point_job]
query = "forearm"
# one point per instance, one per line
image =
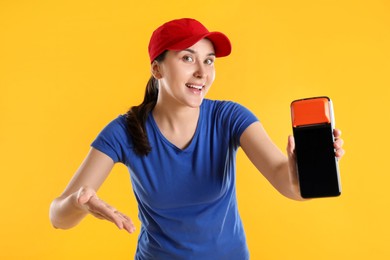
(278, 169)
(286, 183)
(64, 213)
(67, 211)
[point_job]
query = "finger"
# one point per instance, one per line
(84, 194)
(124, 222)
(339, 153)
(290, 145)
(336, 132)
(128, 224)
(84, 198)
(107, 215)
(119, 219)
(98, 207)
(102, 210)
(338, 143)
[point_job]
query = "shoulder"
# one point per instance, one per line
(116, 128)
(220, 105)
(226, 108)
(114, 139)
(231, 117)
(118, 123)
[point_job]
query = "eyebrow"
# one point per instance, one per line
(194, 52)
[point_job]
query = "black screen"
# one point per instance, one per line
(316, 162)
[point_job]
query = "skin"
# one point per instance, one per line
(185, 78)
(177, 109)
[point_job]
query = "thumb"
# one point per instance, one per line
(290, 146)
(84, 195)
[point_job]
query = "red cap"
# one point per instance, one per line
(182, 33)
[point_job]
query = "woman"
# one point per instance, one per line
(180, 151)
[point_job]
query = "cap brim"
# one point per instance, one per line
(221, 43)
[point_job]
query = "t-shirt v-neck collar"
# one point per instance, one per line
(191, 145)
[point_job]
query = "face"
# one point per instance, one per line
(186, 76)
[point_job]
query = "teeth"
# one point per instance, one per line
(194, 86)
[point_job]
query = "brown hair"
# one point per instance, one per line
(137, 115)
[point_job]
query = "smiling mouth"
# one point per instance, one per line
(198, 87)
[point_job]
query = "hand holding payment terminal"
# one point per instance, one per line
(317, 165)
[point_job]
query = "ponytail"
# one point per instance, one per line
(137, 115)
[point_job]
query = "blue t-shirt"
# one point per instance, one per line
(186, 197)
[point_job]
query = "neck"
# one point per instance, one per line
(175, 117)
(177, 124)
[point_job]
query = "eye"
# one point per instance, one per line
(209, 61)
(188, 58)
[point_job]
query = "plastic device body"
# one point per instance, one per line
(313, 124)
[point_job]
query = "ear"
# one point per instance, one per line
(155, 68)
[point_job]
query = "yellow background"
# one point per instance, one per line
(69, 67)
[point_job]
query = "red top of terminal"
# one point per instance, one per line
(310, 111)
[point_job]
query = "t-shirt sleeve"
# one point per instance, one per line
(114, 140)
(236, 118)
(241, 118)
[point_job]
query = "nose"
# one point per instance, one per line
(200, 71)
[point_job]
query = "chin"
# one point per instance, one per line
(195, 104)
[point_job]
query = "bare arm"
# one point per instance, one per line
(80, 199)
(278, 169)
